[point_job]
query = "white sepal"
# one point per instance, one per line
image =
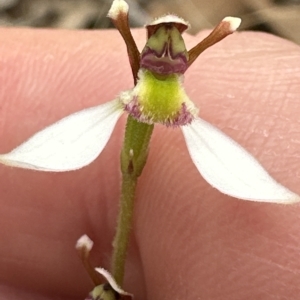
(69, 144)
(228, 167)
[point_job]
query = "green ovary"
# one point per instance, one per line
(160, 97)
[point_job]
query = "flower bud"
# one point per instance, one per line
(103, 292)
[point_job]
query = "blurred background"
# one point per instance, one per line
(280, 17)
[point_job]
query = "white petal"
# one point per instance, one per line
(69, 144)
(228, 167)
(112, 282)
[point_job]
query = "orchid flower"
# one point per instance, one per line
(158, 97)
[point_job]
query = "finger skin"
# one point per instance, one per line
(189, 240)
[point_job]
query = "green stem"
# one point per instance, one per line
(133, 159)
(123, 229)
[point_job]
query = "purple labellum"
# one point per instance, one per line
(133, 108)
(183, 116)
